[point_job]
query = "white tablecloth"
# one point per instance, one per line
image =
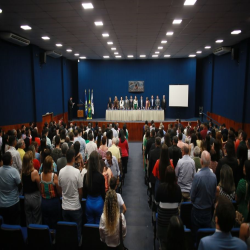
(134, 115)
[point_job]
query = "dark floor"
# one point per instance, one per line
(138, 216)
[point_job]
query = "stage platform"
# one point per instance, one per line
(135, 128)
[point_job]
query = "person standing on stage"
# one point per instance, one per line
(110, 103)
(157, 102)
(147, 104)
(116, 103)
(141, 104)
(163, 104)
(131, 102)
(126, 103)
(135, 103)
(70, 108)
(152, 102)
(121, 104)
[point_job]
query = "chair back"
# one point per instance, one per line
(185, 213)
(39, 237)
(66, 235)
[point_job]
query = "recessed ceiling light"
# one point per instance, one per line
(130, 56)
(166, 55)
(105, 56)
(199, 52)
(142, 56)
(160, 47)
(113, 48)
(208, 47)
(105, 34)
(118, 56)
(164, 41)
(192, 55)
(25, 27)
(69, 50)
(87, 6)
(219, 41)
(116, 53)
(59, 45)
(190, 2)
(169, 33)
(157, 52)
(82, 57)
(177, 21)
(76, 54)
(45, 38)
(1, 10)
(99, 23)
(236, 32)
(110, 43)
(154, 55)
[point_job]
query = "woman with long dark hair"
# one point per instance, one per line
(99, 139)
(94, 189)
(199, 140)
(123, 144)
(35, 137)
(168, 196)
(192, 145)
(167, 140)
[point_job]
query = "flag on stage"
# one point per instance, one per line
(92, 102)
(86, 104)
(89, 108)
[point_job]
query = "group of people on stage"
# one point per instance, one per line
(135, 104)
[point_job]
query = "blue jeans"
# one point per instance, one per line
(74, 216)
(94, 209)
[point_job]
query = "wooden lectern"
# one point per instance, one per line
(79, 111)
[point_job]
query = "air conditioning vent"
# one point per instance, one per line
(222, 50)
(10, 37)
(54, 54)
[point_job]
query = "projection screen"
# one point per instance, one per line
(178, 95)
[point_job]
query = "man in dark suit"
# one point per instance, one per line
(224, 222)
(174, 151)
(70, 108)
(154, 155)
(224, 129)
(150, 141)
(163, 105)
(131, 102)
(141, 103)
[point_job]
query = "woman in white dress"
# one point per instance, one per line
(121, 104)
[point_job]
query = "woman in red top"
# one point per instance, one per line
(161, 165)
(123, 144)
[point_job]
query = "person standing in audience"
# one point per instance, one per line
(192, 145)
(37, 155)
(115, 134)
(78, 137)
(213, 163)
(180, 143)
(36, 163)
(196, 158)
(123, 144)
(202, 194)
(185, 171)
(94, 189)
(203, 132)
(34, 136)
(57, 152)
(50, 192)
(91, 146)
(242, 153)
(103, 148)
(175, 152)
(10, 185)
(62, 161)
(111, 218)
(45, 132)
(224, 221)
(112, 163)
(115, 150)
(150, 141)
(17, 162)
(20, 148)
(71, 184)
(31, 185)
(248, 146)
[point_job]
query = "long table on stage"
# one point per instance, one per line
(134, 115)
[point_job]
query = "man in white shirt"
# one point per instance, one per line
(115, 150)
(91, 146)
(111, 162)
(48, 141)
(115, 134)
(70, 181)
(78, 137)
(17, 162)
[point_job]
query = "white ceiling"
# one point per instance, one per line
(135, 26)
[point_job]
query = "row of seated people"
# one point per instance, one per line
(182, 171)
(70, 177)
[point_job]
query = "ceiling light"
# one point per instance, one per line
(160, 47)
(59, 45)
(130, 56)
(208, 47)
(1, 10)
(154, 55)
(110, 43)
(87, 6)
(105, 34)
(25, 27)
(190, 2)
(142, 56)
(99, 23)
(198, 52)
(166, 55)
(236, 32)
(45, 38)
(157, 52)
(105, 56)
(78, 60)
(169, 33)
(69, 50)
(76, 54)
(177, 21)
(113, 48)
(116, 53)
(118, 56)
(82, 57)
(219, 41)
(192, 55)
(164, 41)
